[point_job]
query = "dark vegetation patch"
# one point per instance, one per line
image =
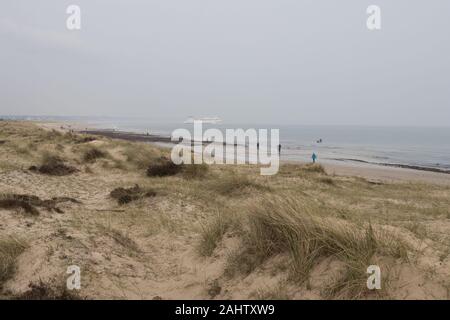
(92, 154)
(126, 195)
(10, 249)
(290, 169)
(29, 203)
(376, 183)
(54, 166)
(16, 204)
(43, 291)
(73, 137)
(163, 167)
(82, 139)
(214, 289)
(326, 180)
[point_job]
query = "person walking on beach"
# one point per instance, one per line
(314, 157)
(279, 148)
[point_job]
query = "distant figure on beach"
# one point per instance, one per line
(314, 157)
(257, 145)
(279, 148)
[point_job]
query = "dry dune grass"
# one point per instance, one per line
(121, 238)
(10, 249)
(54, 165)
(286, 225)
(233, 183)
(29, 203)
(213, 232)
(163, 167)
(195, 171)
(140, 158)
(317, 168)
(223, 225)
(91, 154)
(296, 169)
(126, 195)
(45, 291)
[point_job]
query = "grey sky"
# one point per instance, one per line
(258, 61)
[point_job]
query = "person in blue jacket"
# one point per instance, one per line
(314, 157)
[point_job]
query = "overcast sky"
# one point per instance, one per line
(258, 61)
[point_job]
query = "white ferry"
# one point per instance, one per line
(210, 120)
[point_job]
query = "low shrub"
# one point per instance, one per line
(163, 167)
(10, 249)
(92, 154)
(53, 165)
(126, 195)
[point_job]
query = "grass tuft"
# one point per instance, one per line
(126, 195)
(43, 291)
(29, 203)
(140, 156)
(326, 180)
(195, 171)
(314, 167)
(9, 203)
(10, 249)
(213, 232)
(92, 154)
(163, 167)
(284, 225)
(53, 165)
(234, 184)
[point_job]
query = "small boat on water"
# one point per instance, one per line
(210, 120)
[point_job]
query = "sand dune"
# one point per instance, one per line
(196, 236)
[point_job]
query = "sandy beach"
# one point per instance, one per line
(387, 174)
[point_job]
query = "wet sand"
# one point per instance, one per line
(379, 173)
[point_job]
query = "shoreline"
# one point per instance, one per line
(397, 165)
(389, 172)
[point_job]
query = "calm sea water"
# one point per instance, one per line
(420, 146)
